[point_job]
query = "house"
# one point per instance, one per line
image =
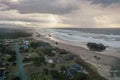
(44, 45)
(24, 42)
(25, 47)
(73, 69)
(48, 59)
(9, 41)
(53, 51)
(2, 70)
(58, 58)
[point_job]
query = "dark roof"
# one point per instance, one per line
(26, 46)
(74, 68)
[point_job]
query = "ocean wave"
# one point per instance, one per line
(78, 37)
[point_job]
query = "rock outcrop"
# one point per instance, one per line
(96, 46)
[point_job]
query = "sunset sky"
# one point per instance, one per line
(60, 13)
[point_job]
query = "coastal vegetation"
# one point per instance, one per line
(93, 73)
(6, 33)
(44, 62)
(53, 71)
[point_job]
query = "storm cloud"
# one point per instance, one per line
(60, 13)
(42, 6)
(105, 2)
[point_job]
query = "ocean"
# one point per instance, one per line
(81, 36)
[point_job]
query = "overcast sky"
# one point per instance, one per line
(60, 13)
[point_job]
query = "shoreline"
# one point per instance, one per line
(109, 51)
(104, 65)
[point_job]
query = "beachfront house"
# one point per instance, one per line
(73, 69)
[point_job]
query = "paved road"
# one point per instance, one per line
(19, 62)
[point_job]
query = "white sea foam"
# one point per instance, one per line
(78, 37)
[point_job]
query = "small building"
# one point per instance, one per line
(25, 42)
(73, 69)
(9, 41)
(49, 60)
(58, 58)
(53, 51)
(26, 47)
(2, 70)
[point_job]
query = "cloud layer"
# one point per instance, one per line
(105, 2)
(60, 13)
(41, 6)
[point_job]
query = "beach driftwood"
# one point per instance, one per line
(96, 46)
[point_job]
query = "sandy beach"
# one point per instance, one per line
(108, 62)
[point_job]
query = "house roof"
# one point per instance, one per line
(25, 46)
(74, 68)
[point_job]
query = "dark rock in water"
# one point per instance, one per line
(96, 46)
(56, 43)
(38, 35)
(49, 35)
(70, 34)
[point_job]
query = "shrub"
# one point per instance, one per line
(39, 60)
(12, 59)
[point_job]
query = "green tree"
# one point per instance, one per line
(39, 60)
(80, 76)
(45, 71)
